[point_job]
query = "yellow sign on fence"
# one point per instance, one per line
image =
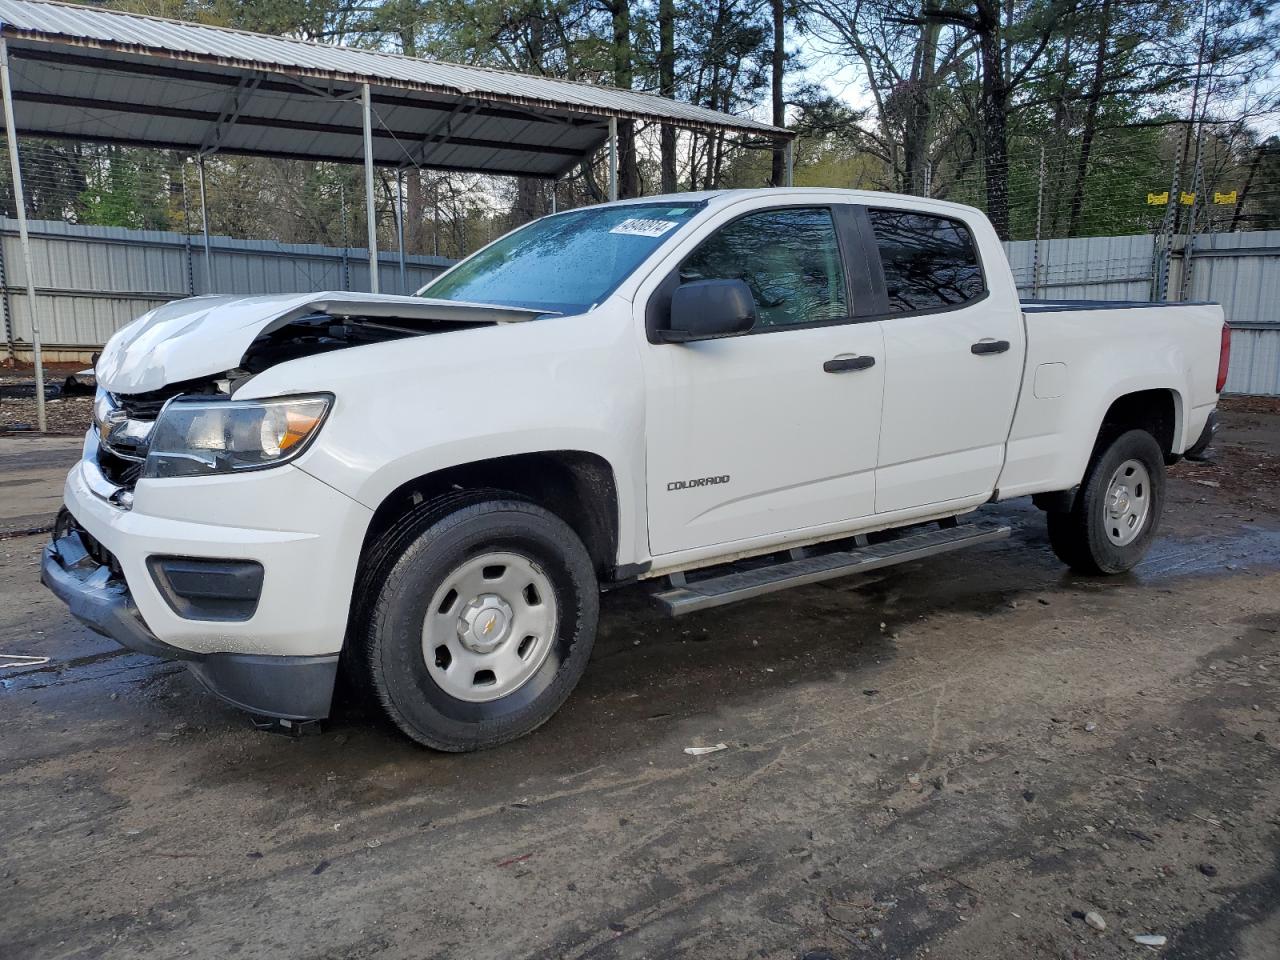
(1188, 199)
(1227, 199)
(1157, 199)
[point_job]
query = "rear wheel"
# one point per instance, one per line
(479, 619)
(1117, 510)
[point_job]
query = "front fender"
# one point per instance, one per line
(411, 407)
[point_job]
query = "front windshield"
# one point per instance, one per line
(565, 263)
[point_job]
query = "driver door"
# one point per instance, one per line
(774, 430)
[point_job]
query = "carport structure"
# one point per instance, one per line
(86, 73)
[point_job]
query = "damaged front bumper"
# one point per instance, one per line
(293, 688)
(246, 579)
(286, 687)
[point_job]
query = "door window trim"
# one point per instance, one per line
(658, 308)
(871, 252)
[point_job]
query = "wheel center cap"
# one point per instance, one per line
(1120, 501)
(484, 623)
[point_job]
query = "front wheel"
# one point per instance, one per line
(1117, 509)
(479, 620)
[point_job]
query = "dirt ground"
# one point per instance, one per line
(958, 758)
(63, 415)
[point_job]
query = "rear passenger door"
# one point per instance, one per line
(953, 360)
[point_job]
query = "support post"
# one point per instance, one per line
(366, 102)
(553, 195)
(204, 228)
(400, 223)
(435, 217)
(791, 163)
(613, 158)
(1164, 242)
(1035, 258)
(20, 203)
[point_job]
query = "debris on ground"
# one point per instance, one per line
(1151, 939)
(1094, 919)
(14, 660)
(701, 751)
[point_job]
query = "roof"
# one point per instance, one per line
(722, 197)
(86, 73)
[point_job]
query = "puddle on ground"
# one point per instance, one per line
(1251, 546)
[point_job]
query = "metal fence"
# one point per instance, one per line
(91, 281)
(1241, 271)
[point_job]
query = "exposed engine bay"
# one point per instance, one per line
(124, 421)
(323, 332)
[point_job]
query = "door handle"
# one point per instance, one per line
(841, 364)
(989, 346)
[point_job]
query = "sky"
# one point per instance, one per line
(845, 82)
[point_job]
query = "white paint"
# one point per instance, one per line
(929, 431)
(1051, 381)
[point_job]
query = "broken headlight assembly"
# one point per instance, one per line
(200, 437)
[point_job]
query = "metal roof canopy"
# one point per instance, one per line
(93, 74)
(86, 73)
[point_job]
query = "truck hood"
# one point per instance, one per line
(206, 336)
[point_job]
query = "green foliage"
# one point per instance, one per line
(1095, 107)
(125, 188)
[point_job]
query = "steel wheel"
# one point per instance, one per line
(489, 627)
(1115, 512)
(1127, 504)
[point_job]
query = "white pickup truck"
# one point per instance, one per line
(727, 393)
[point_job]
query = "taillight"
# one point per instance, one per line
(1224, 358)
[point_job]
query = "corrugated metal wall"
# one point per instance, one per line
(1241, 271)
(90, 281)
(1087, 268)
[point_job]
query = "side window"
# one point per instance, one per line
(929, 261)
(789, 258)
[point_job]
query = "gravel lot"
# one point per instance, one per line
(958, 758)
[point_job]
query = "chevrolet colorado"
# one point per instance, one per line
(728, 393)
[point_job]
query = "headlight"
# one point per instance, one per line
(196, 438)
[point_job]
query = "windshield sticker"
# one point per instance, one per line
(636, 227)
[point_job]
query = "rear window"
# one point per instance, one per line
(930, 262)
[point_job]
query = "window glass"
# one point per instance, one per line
(789, 258)
(929, 262)
(565, 263)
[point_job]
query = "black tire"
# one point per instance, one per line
(401, 574)
(1079, 536)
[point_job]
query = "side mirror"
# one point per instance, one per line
(708, 309)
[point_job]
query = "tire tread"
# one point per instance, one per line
(387, 563)
(1075, 537)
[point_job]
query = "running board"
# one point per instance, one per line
(744, 584)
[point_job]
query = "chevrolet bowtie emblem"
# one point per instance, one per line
(493, 618)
